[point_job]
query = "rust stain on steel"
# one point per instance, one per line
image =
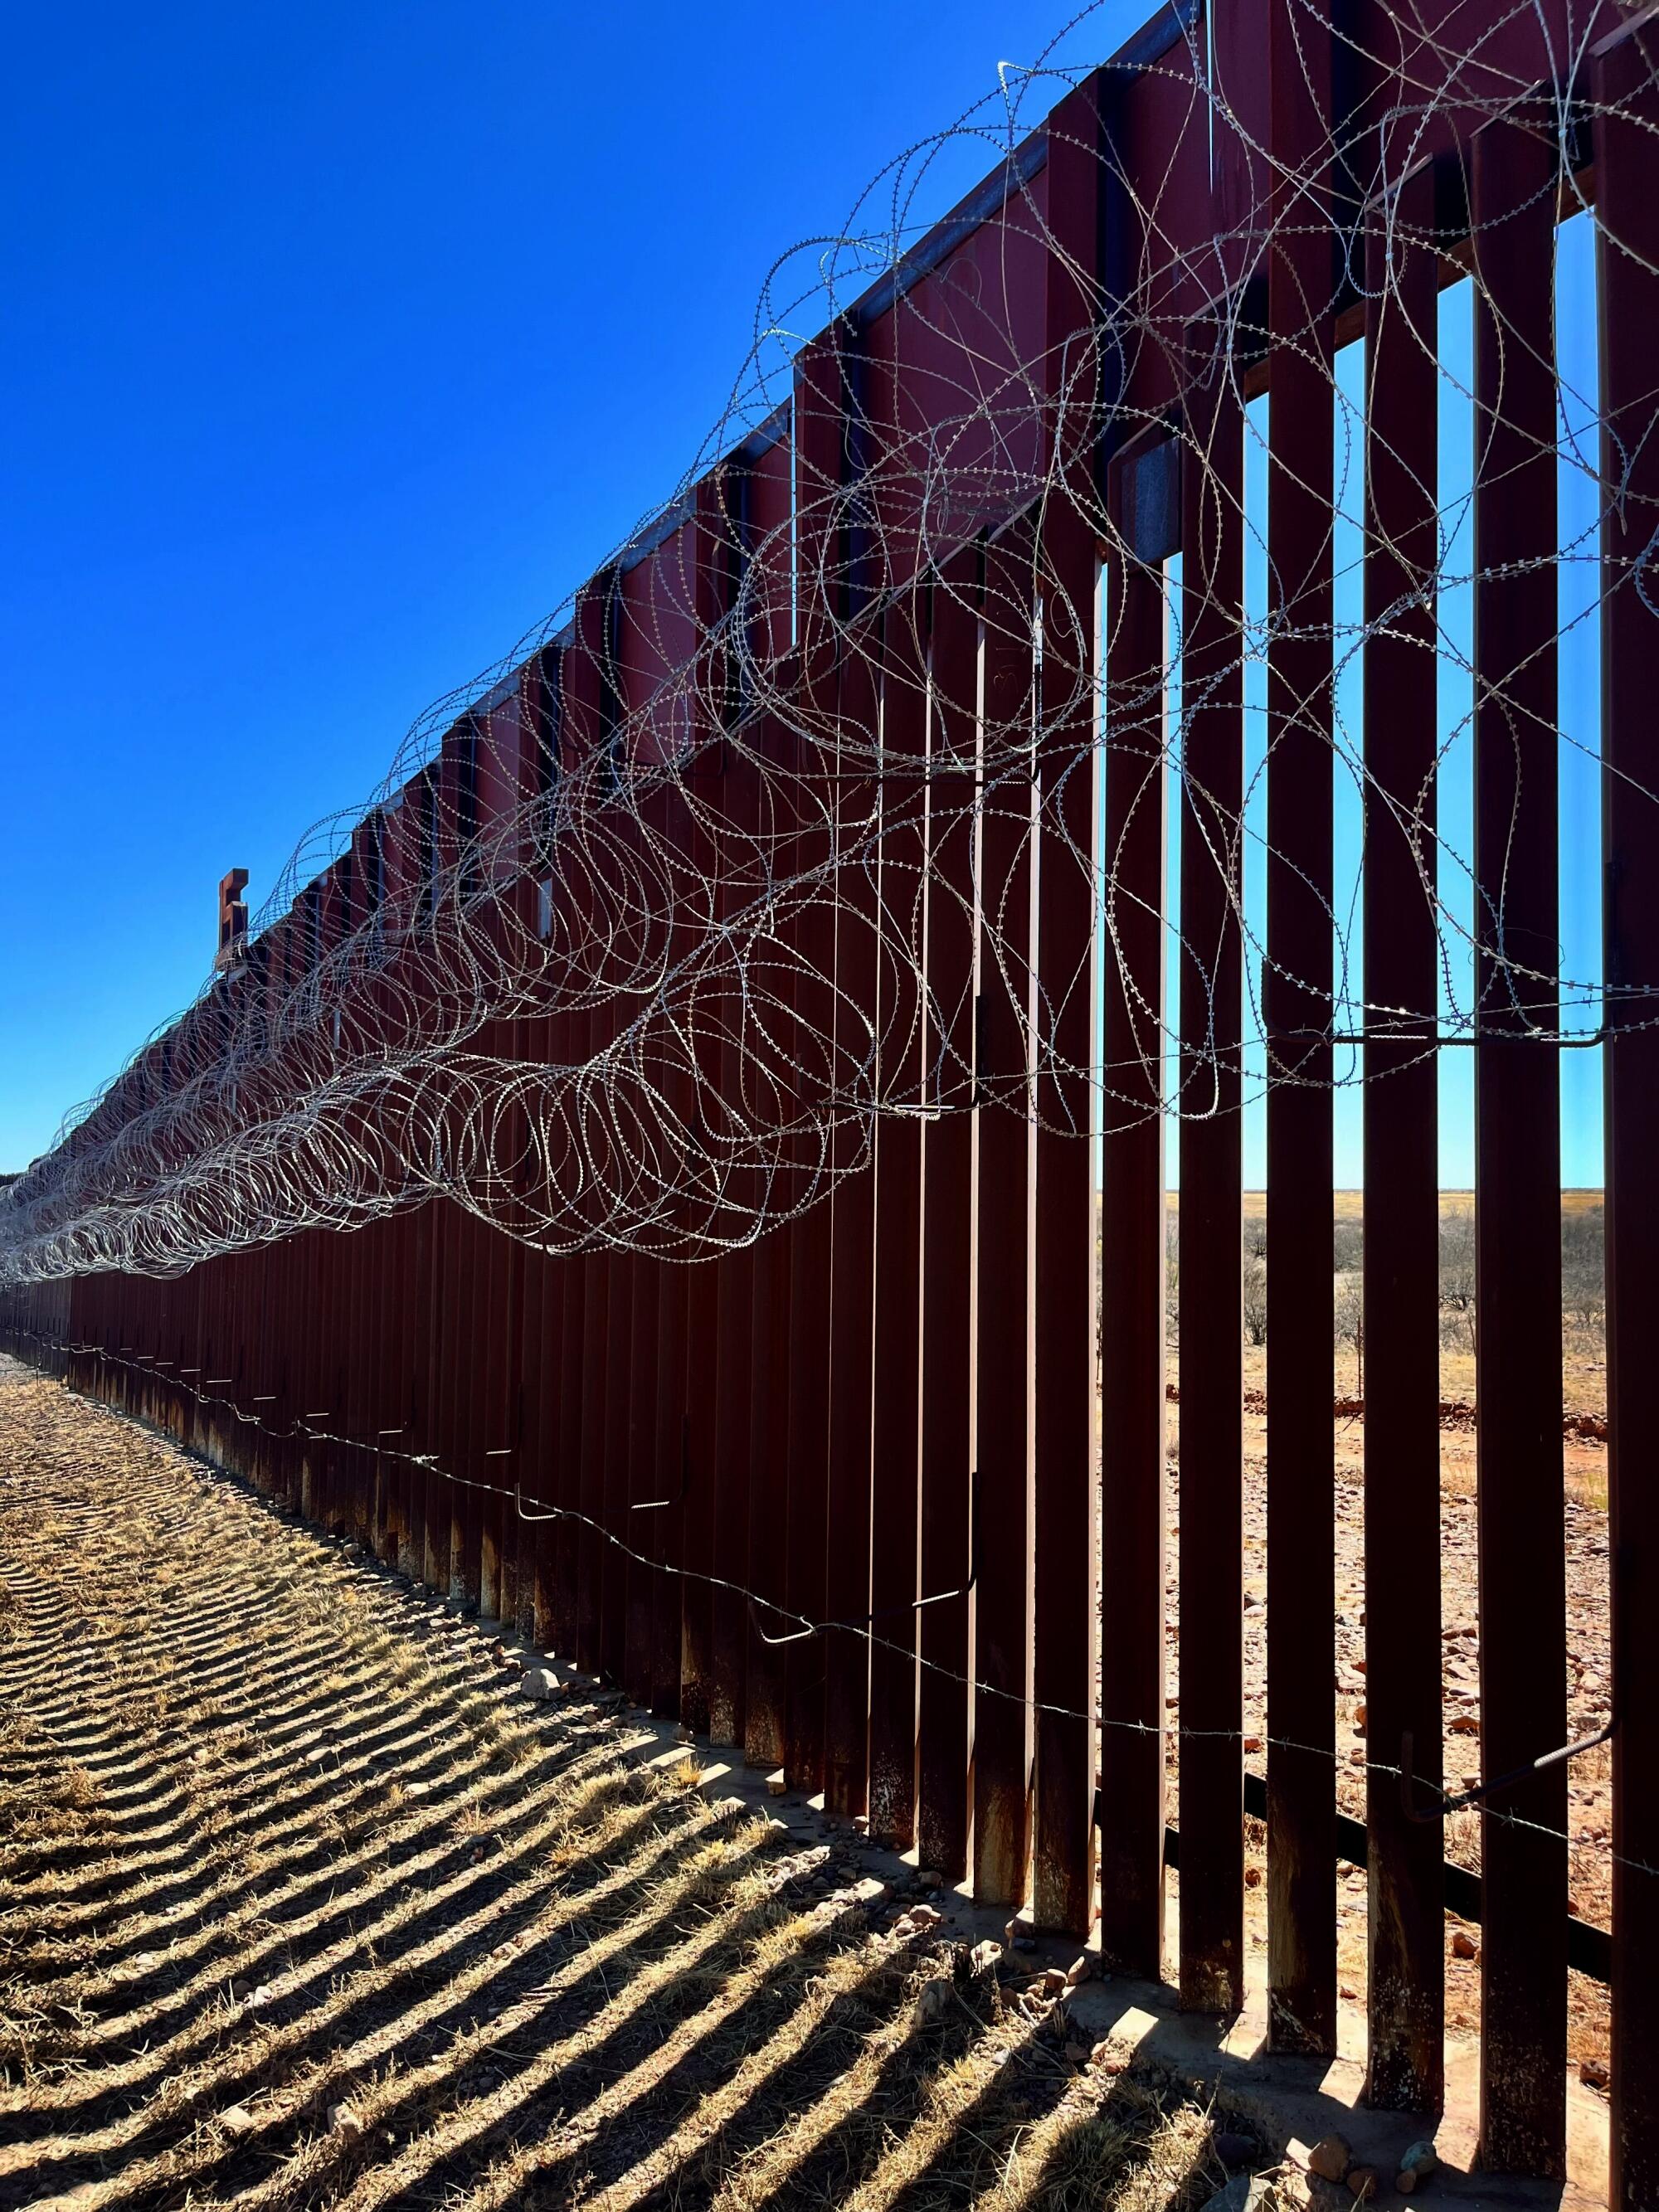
(1406, 1923)
(947, 1536)
(1518, 1104)
(1003, 1351)
(895, 1403)
(1065, 1595)
(1211, 1451)
(1627, 137)
(1132, 1814)
(1301, 1752)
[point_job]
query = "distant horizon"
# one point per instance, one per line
(1447, 1190)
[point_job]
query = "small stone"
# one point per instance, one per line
(1080, 1970)
(1464, 1945)
(1361, 2183)
(1052, 1982)
(1245, 2192)
(930, 1878)
(1252, 1744)
(1108, 2058)
(1419, 2162)
(924, 1916)
(1252, 1877)
(985, 1958)
(777, 1784)
(1329, 2158)
(1593, 2072)
(1463, 1724)
(538, 1683)
(343, 2119)
(936, 1998)
(1232, 2147)
(236, 2119)
(1010, 1933)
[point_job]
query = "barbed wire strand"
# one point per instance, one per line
(429, 1463)
(564, 969)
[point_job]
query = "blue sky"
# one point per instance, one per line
(342, 344)
(1579, 778)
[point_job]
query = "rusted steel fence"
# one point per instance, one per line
(759, 1296)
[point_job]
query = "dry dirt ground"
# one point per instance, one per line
(303, 1903)
(1589, 1809)
(1589, 1812)
(1588, 1686)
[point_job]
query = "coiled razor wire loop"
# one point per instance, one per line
(606, 1018)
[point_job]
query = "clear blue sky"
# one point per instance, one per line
(341, 345)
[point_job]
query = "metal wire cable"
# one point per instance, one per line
(429, 1463)
(570, 967)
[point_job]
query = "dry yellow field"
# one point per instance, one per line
(304, 1903)
(1584, 1378)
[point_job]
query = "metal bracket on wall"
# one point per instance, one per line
(658, 1504)
(1425, 1817)
(890, 1612)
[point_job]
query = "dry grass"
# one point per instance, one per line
(302, 1903)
